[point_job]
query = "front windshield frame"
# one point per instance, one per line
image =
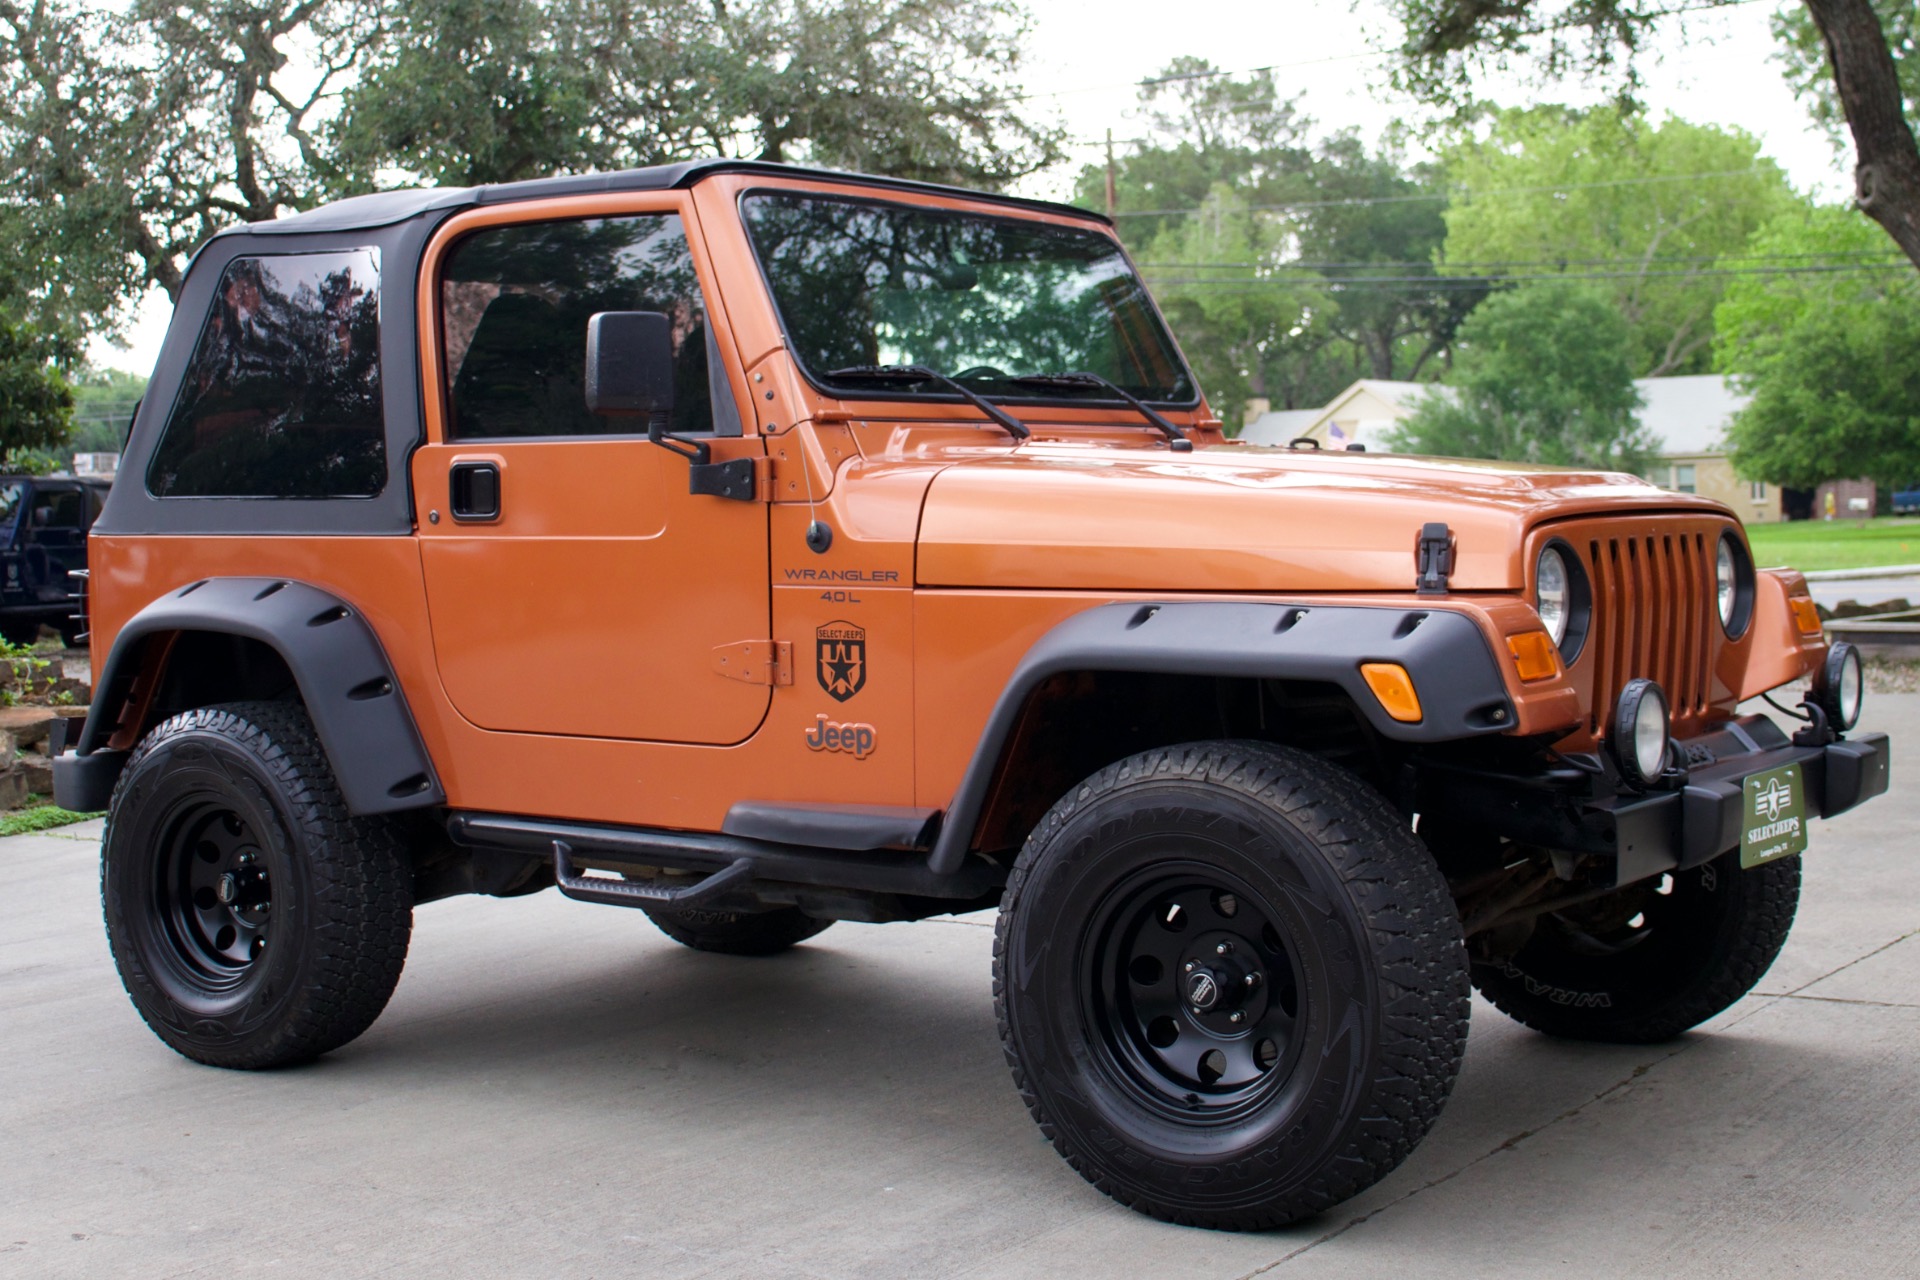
(871, 390)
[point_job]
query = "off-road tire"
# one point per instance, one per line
(1310, 855)
(736, 933)
(244, 790)
(1701, 946)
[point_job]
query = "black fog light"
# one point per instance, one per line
(1640, 731)
(1842, 686)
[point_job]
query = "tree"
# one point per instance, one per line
(1374, 230)
(1643, 210)
(1831, 357)
(1543, 374)
(36, 404)
(130, 135)
(103, 405)
(1446, 40)
(465, 91)
(1288, 269)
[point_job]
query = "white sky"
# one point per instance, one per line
(1087, 56)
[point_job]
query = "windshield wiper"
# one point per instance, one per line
(920, 373)
(1176, 438)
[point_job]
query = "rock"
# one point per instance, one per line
(28, 725)
(13, 789)
(38, 772)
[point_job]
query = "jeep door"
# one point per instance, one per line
(574, 585)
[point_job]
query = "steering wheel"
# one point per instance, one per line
(981, 371)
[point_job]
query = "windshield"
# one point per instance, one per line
(983, 300)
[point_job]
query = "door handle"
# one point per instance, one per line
(473, 491)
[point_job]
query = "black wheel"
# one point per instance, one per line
(1230, 984)
(71, 634)
(736, 933)
(253, 921)
(1649, 962)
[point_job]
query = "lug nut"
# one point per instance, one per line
(1236, 1017)
(1189, 966)
(1252, 980)
(1225, 949)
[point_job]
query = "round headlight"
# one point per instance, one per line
(1640, 731)
(1733, 585)
(1843, 686)
(1553, 593)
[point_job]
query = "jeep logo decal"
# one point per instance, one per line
(857, 740)
(842, 665)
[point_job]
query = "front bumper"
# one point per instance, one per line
(1691, 821)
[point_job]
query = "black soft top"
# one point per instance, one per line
(385, 208)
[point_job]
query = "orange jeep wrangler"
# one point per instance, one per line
(763, 548)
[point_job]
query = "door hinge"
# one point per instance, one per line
(755, 661)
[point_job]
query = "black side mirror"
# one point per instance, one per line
(630, 363)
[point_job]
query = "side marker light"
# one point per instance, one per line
(1535, 655)
(1394, 687)
(1805, 616)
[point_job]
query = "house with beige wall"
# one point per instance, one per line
(1688, 416)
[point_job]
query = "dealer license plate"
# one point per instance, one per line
(1774, 824)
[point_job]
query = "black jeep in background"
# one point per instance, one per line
(43, 530)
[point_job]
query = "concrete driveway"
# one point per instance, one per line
(557, 1090)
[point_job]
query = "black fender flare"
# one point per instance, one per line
(1462, 691)
(337, 661)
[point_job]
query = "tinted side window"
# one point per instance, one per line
(282, 396)
(515, 302)
(59, 509)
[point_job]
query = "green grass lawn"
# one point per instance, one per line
(38, 818)
(1837, 544)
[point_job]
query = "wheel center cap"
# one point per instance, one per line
(228, 889)
(1203, 990)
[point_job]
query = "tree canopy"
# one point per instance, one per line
(1830, 355)
(1446, 41)
(1644, 210)
(1543, 374)
(130, 135)
(1288, 266)
(36, 403)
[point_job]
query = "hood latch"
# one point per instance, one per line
(1433, 559)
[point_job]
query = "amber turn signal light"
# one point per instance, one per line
(1535, 655)
(1394, 687)
(1805, 616)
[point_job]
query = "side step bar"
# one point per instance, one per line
(628, 893)
(765, 861)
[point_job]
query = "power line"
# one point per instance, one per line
(1478, 282)
(1462, 195)
(1881, 259)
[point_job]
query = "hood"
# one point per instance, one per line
(1246, 518)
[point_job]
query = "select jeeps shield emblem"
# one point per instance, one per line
(842, 649)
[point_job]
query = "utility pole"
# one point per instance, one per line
(1110, 200)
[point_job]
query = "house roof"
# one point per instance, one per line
(1689, 414)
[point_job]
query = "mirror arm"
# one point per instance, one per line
(693, 451)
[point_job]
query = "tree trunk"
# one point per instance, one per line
(1887, 163)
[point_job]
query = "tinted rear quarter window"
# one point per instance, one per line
(282, 396)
